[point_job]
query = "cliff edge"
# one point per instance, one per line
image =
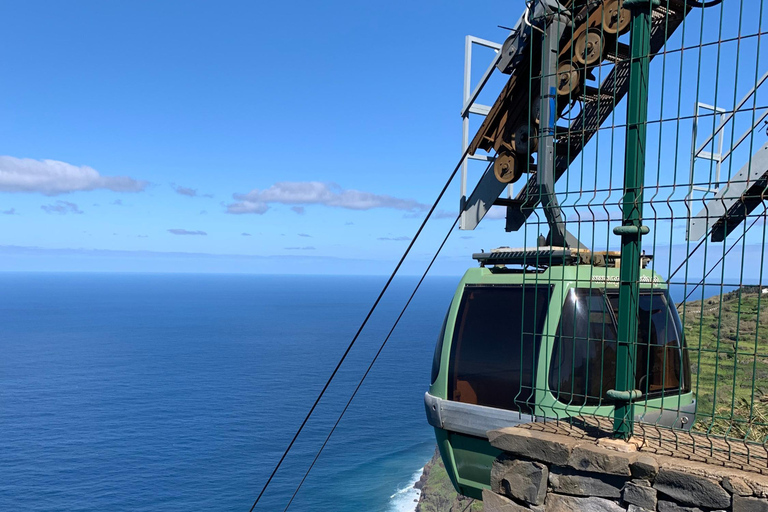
(437, 493)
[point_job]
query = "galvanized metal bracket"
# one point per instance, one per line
(734, 201)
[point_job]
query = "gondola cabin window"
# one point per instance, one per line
(583, 366)
(662, 358)
(496, 344)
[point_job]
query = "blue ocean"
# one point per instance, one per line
(180, 392)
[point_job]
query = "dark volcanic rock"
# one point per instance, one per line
(559, 503)
(671, 506)
(691, 489)
(641, 495)
(564, 481)
(492, 502)
(600, 460)
(742, 504)
(525, 481)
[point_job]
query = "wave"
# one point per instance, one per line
(407, 497)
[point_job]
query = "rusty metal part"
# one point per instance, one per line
(615, 18)
(511, 107)
(505, 168)
(588, 49)
(568, 79)
(526, 139)
(665, 21)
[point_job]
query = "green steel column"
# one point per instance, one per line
(631, 230)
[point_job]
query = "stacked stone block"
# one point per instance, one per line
(549, 472)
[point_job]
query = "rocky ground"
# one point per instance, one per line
(437, 493)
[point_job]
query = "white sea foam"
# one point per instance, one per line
(406, 498)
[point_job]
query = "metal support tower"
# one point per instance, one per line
(699, 153)
(470, 106)
(632, 230)
(736, 199)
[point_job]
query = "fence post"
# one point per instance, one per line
(631, 229)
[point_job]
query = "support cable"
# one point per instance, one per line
(360, 330)
(373, 361)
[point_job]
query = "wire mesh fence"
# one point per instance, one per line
(634, 135)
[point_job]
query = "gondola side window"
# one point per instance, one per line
(495, 345)
(583, 366)
(662, 361)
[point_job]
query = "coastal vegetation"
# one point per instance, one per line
(727, 338)
(437, 492)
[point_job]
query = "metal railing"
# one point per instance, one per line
(599, 117)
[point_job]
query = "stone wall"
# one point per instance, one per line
(557, 473)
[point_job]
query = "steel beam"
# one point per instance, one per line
(734, 201)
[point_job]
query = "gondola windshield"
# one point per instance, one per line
(496, 345)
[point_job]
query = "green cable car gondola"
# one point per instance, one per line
(522, 345)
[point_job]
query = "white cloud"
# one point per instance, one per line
(51, 177)
(179, 231)
(61, 207)
(298, 209)
(306, 248)
(247, 207)
(186, 191)
(315, 192)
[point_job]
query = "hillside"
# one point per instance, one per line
(727, 337)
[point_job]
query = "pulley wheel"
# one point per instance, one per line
(505, 168)
(588, 49)
(567, 79)
(615, 18)
(526, 139)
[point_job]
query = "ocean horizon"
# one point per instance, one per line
(180, 391)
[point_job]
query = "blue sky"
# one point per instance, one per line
(216, 99)
(236, 136)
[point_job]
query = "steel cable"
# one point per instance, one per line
(362, 326)
(373, 361)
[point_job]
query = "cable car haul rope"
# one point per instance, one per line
(572, 326)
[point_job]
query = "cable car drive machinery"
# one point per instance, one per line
(544, 333)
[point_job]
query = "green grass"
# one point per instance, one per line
(727, 338)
